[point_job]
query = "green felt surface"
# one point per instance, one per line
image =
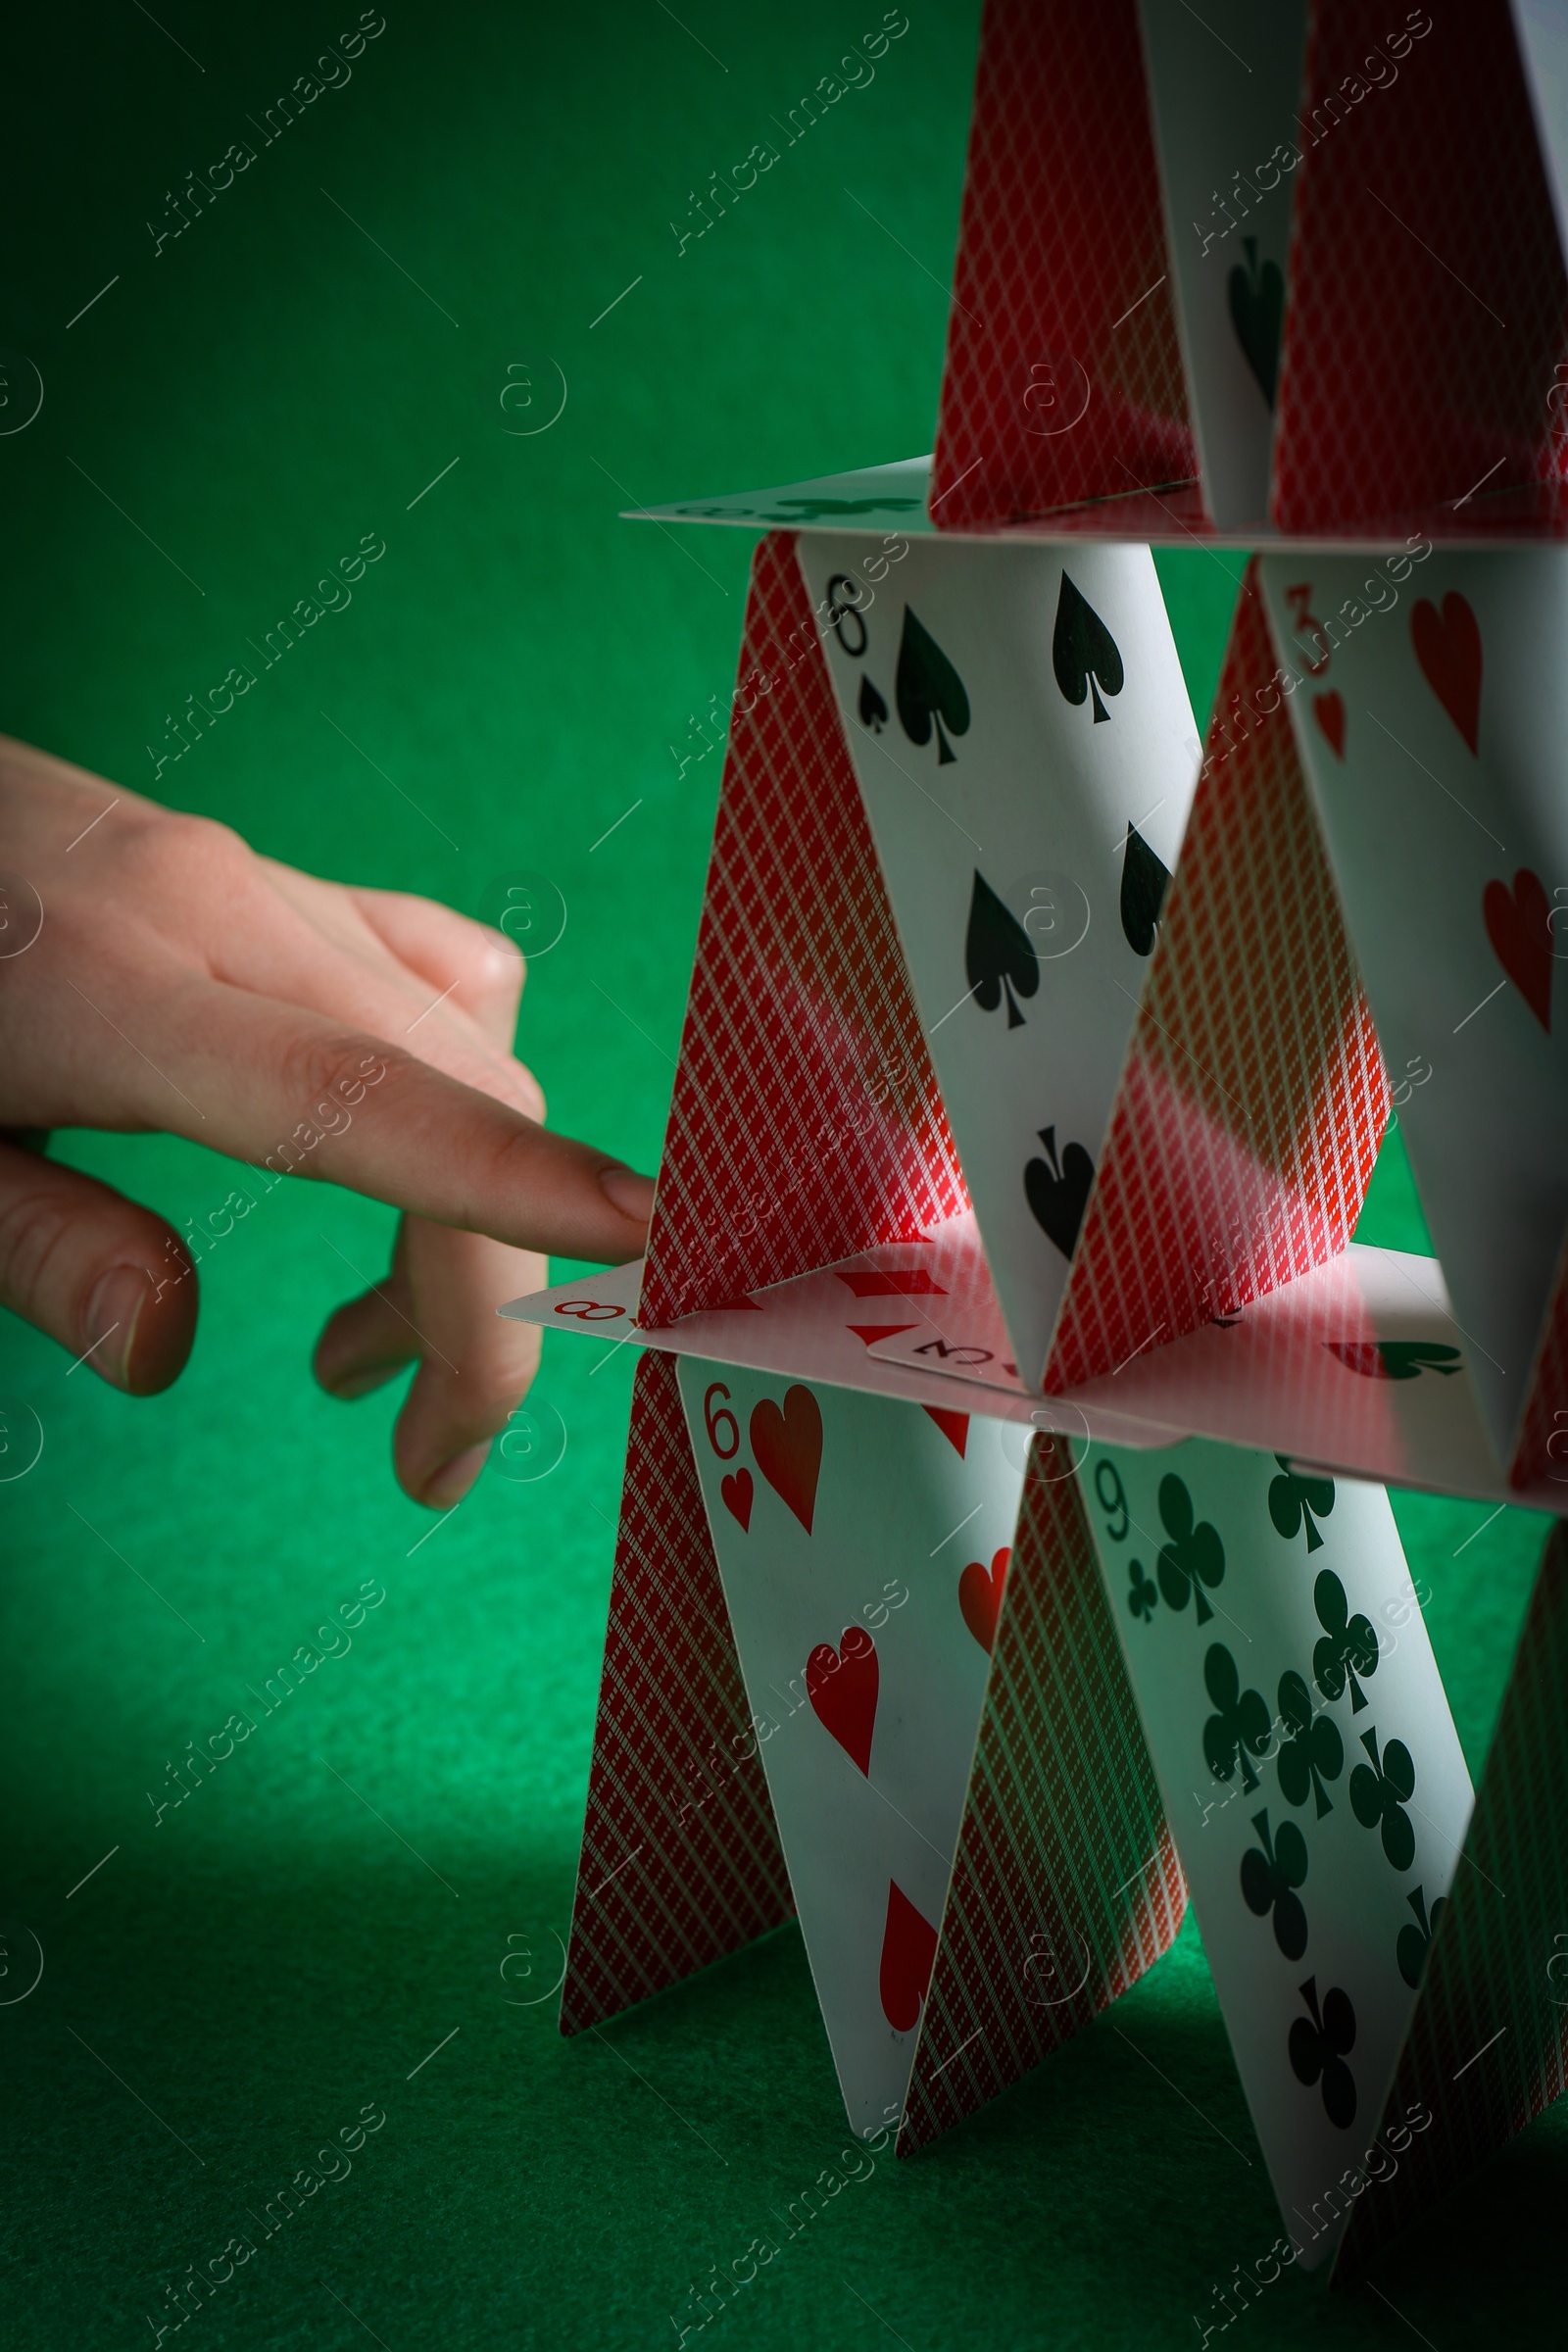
(235, 1982)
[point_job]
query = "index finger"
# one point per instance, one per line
(300, 1095)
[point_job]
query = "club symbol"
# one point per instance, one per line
(1414, 1943)
(1310, 1751)
(1379, 1794)
(1270, 1877)
(1144, 1597)
(1194, 1557)
(1238, 1728)
(1319, 2048)
(1349, 1647)
(1292, 1501)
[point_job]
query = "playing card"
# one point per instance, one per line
(1026, 754)
(805, 1123)
(1309, 1769)
(1224, 88)
(1430, 708)
(1541, 26)
(1420, 345)
(863, 1545)
(1063, 381)
(670, 1878)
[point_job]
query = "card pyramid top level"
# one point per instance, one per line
(1362, 335)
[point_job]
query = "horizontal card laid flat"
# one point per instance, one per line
(1358, 1365)
(834, 1325)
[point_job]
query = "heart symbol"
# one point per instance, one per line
(909, 1951)
(841, 1686)
(1329, 712)
(980, 1597)
(737, 1490)
(788, 1447)
(1519, 927)
(1448, 650)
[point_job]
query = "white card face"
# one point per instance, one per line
(1309, 1769)
(1027, 758)
(1433, 733)
(1542, 29)
(862, 1545)
(1225, 89)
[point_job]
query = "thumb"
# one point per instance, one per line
(108, 1279)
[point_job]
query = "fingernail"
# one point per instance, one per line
(632, 1195)
(454, 1479)
(112, 1313)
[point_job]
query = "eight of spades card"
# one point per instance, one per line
(1431, 723)
(1224, 89)
(1309, 1764)
(1026, 753)
(862, 1545)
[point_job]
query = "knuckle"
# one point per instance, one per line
(332, 1068)
(36, 1227)
(178, 867)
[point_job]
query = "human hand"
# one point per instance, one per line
(179, 982)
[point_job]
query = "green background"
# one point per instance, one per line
(232, 1986)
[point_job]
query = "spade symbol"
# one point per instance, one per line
(930, 690)
(874, 710)
(997, 956)
(1144, 879)
(1058, 1193)
(1256, 299)
(1083, 652)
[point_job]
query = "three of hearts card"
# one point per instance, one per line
(1005, 1553)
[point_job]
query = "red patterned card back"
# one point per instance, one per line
(1066, 1883)
(1253, 1095)
(681, 1861)
(805, 1123)
(1541, 1448)
(1427, 302)
(1063, 378)
(1488, 2045)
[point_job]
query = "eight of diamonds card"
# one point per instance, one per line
(1309, 1764)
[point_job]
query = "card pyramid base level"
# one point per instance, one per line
(1066, 1885)
(680, 1859)
(1487, 2046)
